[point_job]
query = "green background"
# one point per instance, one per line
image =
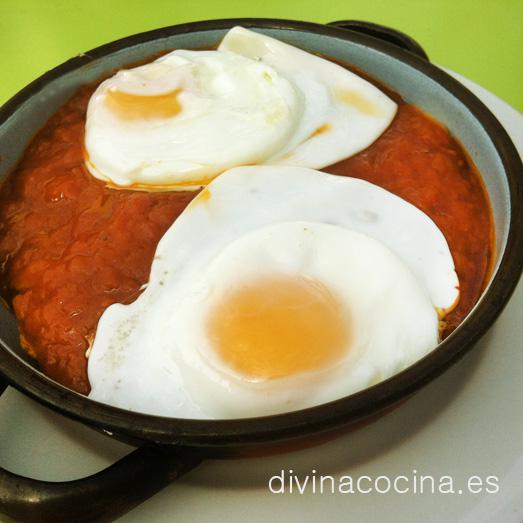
(481, 39)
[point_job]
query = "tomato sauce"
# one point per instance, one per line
(70, 246)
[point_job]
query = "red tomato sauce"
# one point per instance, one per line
(70, 246)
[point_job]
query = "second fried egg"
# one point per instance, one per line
(278, 288)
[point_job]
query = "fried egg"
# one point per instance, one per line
(278, 288)
(188, 116)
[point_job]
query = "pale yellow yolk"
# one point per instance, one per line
(134, 106)
(278, 326)
(355, 99)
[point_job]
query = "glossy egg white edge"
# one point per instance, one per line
(243, 203)
(255, 100)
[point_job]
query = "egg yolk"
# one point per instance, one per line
(356, 100)
(279, 326)
(136, 107)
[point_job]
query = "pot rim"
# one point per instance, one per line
(327, 416)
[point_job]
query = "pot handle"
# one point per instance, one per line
(101, 497)
(382, 32)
